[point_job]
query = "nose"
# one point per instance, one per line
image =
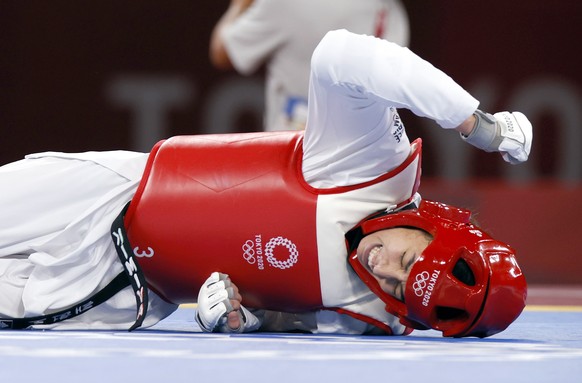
(392, 281)
(391, 273)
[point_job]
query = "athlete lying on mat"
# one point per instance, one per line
(321, 231)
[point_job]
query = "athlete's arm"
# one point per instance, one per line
(353, 133)
(220, 310)
(358, 82)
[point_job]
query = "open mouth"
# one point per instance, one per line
(372, 256)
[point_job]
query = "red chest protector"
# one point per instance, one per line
(232, 203)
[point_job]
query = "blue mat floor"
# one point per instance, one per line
(541, 346)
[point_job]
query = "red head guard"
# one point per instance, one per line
(465, 283)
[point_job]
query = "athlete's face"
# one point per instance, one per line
(389, 255)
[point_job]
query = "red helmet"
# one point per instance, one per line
(464, 283)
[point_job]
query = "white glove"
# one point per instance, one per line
(508, 133)
(214, 305)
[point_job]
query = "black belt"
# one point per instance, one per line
(131, 276)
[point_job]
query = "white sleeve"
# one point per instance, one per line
(357, 83)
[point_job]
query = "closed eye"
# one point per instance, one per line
(410, 263)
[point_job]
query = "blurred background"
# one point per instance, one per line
(83, 75)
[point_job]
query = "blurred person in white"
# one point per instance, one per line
(282, 35)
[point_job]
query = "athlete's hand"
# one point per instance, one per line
(220, 309)
(219, 305)
(517, 134)
(510, 134)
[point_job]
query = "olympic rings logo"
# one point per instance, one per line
(254, 253)
(291, 248)
(420, 283)
(249, 252)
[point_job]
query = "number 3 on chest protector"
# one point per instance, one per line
(143, 253)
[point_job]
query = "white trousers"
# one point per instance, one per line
(55, 244)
